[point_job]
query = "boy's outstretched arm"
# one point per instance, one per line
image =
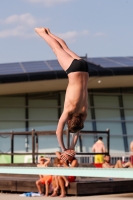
(59, 130)
(47, 161)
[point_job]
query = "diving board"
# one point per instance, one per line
(83, 172)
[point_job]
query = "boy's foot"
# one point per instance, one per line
(54, 194)
(47, 30)
(62, 195)
(41, 31)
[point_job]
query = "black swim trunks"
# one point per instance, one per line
(78, 66)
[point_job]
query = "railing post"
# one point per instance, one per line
(12, 147)
(108, 140)
(33, 146)
(80, 143)
(36, 147)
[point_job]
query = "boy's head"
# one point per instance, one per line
(100, 138)
(75, 124)
(107, 158)
(41, 159)
(57, 162)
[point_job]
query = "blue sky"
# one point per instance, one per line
(98, 28)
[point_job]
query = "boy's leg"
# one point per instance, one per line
(66, 181)
(64, 45)
(63, 57)
(54, 194)
(57, 184)
(118, 164)
(46, 188)
(38, 184)
(128, 164)
(62, 186)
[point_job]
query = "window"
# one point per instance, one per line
(12, 114)
(128, 105)
(43, 112)
(107, 114)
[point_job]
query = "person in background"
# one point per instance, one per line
(43, 179)
(131, 150)
(70, 161)
(131, 146)
(98, 147)
(118, 164)
(56, 183)
(43, 161)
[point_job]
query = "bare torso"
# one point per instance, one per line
(41, 165)
(107, 165)
(98, 147)
(76, 100)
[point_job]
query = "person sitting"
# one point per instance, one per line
(44, 179)
(43, 161)
(70, 162)
(131, 150)
(55, 179)
(118, 164)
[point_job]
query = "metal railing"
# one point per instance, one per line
(35, 152)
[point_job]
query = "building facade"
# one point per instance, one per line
(32, 96)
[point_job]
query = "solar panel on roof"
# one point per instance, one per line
(130, 57)
(38, 66)
(54, 64)
(10, 68)
(97, 60)
(104, 63)
(113, 61)
(110, 64)
(124, 61)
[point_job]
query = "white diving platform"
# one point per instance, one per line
(64, 171)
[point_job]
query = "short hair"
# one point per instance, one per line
(107, 155)
(75, 124)
(42, 158)
(56, 162)
(100, 138)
